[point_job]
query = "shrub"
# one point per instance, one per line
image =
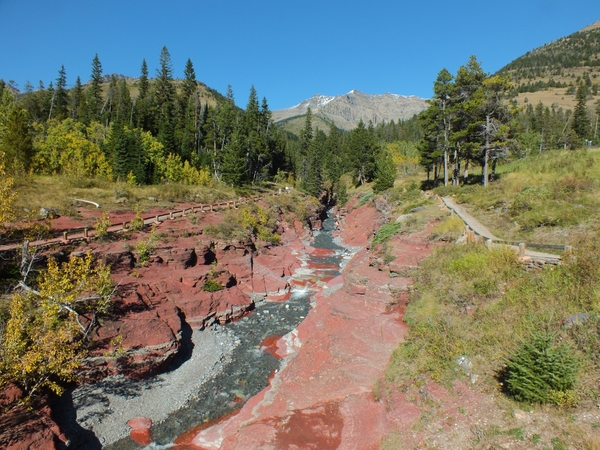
(101, 226)
(365, 199)
(385, 232)
(449, 230)
(146, 247)
(212, 286)
(137, 223)
(541, 372)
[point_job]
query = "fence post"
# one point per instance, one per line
(171, 215)
(124, 226)
(85, 232)
(65, 236)
(522, 249)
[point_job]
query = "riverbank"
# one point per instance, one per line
(105, 407)
(325, 394)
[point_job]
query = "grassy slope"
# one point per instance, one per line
(471, 302)
(551, 198)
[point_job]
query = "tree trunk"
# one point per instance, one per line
(445, 167)
(487, 147)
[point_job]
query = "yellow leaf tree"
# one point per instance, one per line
(43, 342)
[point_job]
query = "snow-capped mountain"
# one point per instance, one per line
(347, 110)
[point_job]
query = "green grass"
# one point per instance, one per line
(553, 198)
(472, 302)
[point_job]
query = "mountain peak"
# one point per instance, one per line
(347, 110)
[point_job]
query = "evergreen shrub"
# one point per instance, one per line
(540, 371)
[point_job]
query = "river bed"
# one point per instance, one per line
(248, 362)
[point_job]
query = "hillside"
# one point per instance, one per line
(551, 73)
(346, 111)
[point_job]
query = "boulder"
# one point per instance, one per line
(118, 261)
(178, 258)
(140, 430)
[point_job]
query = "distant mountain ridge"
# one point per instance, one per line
(551, 73)
(346, 111)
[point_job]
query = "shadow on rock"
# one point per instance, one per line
(65, 416)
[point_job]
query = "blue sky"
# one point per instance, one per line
(289, 50)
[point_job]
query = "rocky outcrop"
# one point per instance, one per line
(323, 395)
(189, 281)
(24, 428)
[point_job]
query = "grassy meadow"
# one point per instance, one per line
(485, 307)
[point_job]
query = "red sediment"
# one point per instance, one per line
(321, 252)
(141, 437)
(269, 345)
(322, 266)
(279, 298)
(314, 428)
(184, 441)
(140, 430)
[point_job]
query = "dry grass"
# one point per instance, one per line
(60, 192)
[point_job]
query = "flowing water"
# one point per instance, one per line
(250, 367)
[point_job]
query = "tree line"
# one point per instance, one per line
(162, 129)
(471, 120)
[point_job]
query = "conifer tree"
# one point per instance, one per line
(306, 137)
(61, 96)
(123, 105)
(189, 113)
(94, 92)
(581, 119)
(164, 108)
(143, 101)
(313, 182)
(363, 147)
(385, 174)
(77, 100)
(15, 140)
(233, 167)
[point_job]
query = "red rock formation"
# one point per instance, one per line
(22, 428)
(140, 430)
(323, 397)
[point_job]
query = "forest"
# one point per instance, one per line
(167, 130)
(473, 120)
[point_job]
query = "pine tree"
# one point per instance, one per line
(164, 97)
(362, 148)
(61, 96)
(539, 369)
(142, 105)
(107, 114)
(313, 182)
(306, 137)
(77, 100)
(16, 142)
(233, 166)
(256, 146)
(123, 103)
(581, 119)
(94, 92)
(189, 112)
(385, 174)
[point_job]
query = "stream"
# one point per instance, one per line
(251, 364)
